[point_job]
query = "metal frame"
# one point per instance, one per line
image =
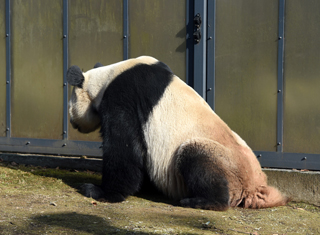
(65, 67)
(8, 68)
(279, 159)
(210, 87)
(189, 42)
(44, 146)
(52, 147)
(289, 160)
(125, 29)
(200, 73)
(200, 51)
(280, 76)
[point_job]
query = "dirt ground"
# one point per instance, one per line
(37, 200)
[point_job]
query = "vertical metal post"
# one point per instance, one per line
(189, 42)
(200, 49)
(8, 68)
(280, 76)
(125, 29)
(211, 53)
(65, 68)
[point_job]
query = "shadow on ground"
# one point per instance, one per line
(75, 179)
(36, 200)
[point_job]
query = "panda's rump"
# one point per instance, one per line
(201, 163)
(175, 119)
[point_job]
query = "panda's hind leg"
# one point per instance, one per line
(198, 163)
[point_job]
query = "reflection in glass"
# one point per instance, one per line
(158, 29)
(301, 77)
(37, 69)
(95, 35)
(246, 69)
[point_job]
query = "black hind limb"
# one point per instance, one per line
(198, 163)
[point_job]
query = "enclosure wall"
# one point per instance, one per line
(255, 62)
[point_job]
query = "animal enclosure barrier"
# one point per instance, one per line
(256, 64)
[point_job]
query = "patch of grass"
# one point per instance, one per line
(36, 200)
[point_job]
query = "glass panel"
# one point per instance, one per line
(95, 35)
(302, 81)
(246, 69)
(37, 69)
(158, 29)
(2, 70)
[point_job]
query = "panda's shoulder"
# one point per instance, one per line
(151, 62)
(142, 78)
(143, 69)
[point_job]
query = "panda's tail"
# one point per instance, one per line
(264, 197)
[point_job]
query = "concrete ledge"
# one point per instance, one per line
(301, 186)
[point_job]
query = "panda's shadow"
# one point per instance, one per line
(75, 179)
(147, 191)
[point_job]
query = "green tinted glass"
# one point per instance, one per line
(2, 71)
(95, 35)
(158, 29)
(301, 77)
(246, 69)
(37, 69)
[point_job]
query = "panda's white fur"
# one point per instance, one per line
(164, 136)
(191, 154)
(97, 80)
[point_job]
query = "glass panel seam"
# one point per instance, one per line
(200, 51)
(211, 53)
(125, 30)
(8, 68)
(280, 76)
(65, 68)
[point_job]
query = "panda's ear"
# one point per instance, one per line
(97, 65)
(75, 76)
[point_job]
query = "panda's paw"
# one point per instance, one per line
(91, 190)
(203, 203)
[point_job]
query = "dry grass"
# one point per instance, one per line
(35, 200)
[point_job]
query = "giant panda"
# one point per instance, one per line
(155, 126)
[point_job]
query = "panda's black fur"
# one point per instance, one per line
(74, 74)
(125, 108)
(203, 163)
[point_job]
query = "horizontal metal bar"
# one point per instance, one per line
(289, 160)
(87, 148)
(51, 161)
(54, 147)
